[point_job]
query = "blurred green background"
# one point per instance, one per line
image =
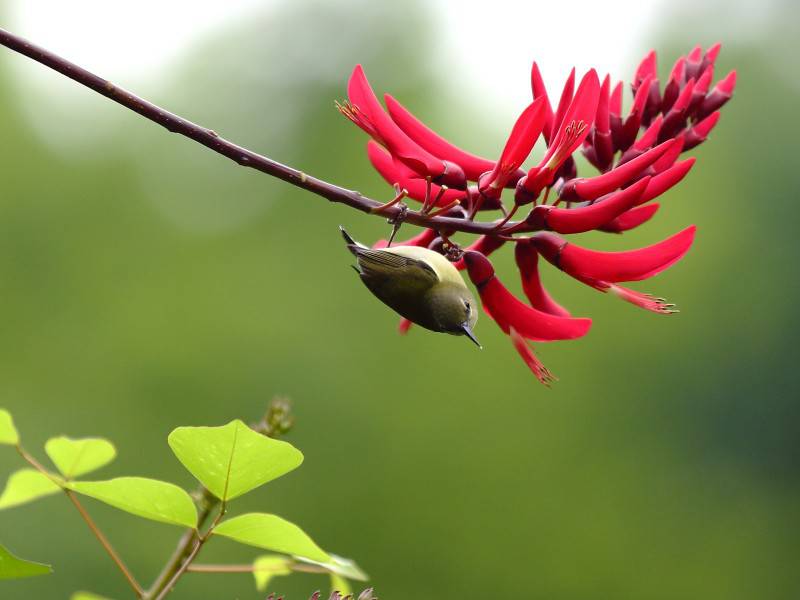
(147, 283)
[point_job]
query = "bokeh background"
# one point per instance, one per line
(147, 283)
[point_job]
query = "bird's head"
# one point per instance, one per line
(455, 309)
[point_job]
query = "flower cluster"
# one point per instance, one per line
(637, 154)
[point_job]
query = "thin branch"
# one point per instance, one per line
(242, 156)
(106, 544)
(88, 520)
(193, 554)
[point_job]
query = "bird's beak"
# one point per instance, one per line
(468, 332)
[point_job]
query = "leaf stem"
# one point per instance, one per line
(201, 540)
(88, 520)
(242, 156)
(106, 544)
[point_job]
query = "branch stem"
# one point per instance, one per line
(106, 544)
(242, 156)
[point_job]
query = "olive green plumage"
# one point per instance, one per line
(419, 284)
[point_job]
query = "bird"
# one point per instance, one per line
(419, 284)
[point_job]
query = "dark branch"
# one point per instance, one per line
(242, 156)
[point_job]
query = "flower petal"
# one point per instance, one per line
(527, 258)
(474, 166)
(594, 187)
(396, 172)
(389, 134)
(666, 179)
(591, 216)
(632, 218)
(520, 142)
(631, 265)
(508, 311)
(563, 103)
(539, 91)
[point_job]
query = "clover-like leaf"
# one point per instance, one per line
(232, 459)
(148, 498)
(81, 456)
(337, 565)
(268, 566)
(271, 533)
(8, 433)
(26, 485)
(12, 567)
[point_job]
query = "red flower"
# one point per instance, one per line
(638, 159)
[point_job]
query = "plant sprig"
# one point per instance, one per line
(228, 461)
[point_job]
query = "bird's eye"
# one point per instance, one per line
(466, 305)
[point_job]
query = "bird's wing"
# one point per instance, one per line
(379, 265)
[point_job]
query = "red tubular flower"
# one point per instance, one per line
(631, 265)
(627, 133)
(520, 142)
(569, 134)
(591, 216)
(699, 133)
(539, 91)
(666, 160)
(563, 102)
(601, 137)
(527, 258)
(508, 311)
(666, 179)
(721, 93)
(366, 112)
(638, 159)
(397, 173)
(594, 187)
(431, 141)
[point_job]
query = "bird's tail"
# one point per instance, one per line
(352, 245)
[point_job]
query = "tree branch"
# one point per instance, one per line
(242, 156)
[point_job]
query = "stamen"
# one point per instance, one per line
(445, 209)
(401, 193)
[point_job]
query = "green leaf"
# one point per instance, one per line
(271, 533)
(337, 565)
(12, 567)
(148, 498)
(8, 433)
(268, 566)
(26, 485)
(78, 457)
(341, 585)
(232, 459)
(86, 596)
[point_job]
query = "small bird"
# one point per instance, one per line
(419, 284)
